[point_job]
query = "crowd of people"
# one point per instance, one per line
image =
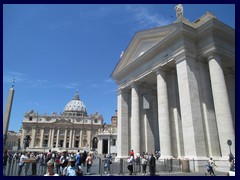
(51, 163)
(144, 160)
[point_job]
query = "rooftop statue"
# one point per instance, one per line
(179, 11)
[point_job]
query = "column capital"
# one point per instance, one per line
(133, 85)
(121, 90)
(213, 55)
(161, 71)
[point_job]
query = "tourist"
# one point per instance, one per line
(130, 166)
(50, 167)
(211, 166)
(89, 161)
(71, 170)
(152, 165)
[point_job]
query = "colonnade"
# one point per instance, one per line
(194, 115)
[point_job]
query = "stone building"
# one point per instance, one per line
(108, 137)
(176, 90)
(71, 130)
(12, 142)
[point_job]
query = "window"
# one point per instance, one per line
(30, 118)
(114, 142)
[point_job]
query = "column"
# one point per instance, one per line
(33, 136)
(230, 82)
(153, 122)
(80, 139)
(177, 140)
(100, 146)
(49, 138)
(135, 121)
(22, 138)
(58, 134)
(73, 138)
(42, 138)
(191, 115)
(52, 138)
(208, 112)
(70, 138)
(65, 139)
(123, 128)
(163, 115)
(221, 104)
(147, 126)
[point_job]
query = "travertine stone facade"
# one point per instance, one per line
(71, 130)
(176, 90)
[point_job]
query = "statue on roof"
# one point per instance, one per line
(179, 11)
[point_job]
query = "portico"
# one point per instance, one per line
(172, 93)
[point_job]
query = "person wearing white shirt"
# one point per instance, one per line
(21, 164)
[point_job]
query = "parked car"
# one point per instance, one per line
(231, 172)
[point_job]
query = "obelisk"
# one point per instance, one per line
(7, 112)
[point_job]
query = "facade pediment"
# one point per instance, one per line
(141, 43)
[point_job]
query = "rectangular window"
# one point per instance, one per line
(114, 142)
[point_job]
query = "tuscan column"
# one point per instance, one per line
(230, 82)
(23, 136)
(122, 133)
(73, 138)
(52, 141)
(175, 116)
(221, 104)
(42, 137)
(70, 138)
(57, 141)
(65, 139)
(191, 115)
(209, 117)
(33, 134)
(163, 115)
(153, 122)
(135, 122)
(80, 139)
(49, 138)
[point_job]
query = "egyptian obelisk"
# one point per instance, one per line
(7, 112)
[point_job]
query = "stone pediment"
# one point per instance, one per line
(141, 43)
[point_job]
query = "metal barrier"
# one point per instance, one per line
(117, 167)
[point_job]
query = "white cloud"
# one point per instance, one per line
(109, 80)
(21, 79)
(146, 18)
(110, 91)
(70, 86)
(8, 77)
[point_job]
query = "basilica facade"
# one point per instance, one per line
(71, 130)
(176, 90)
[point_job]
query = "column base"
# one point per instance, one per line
(165, 157)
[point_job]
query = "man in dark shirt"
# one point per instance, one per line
(152, 165)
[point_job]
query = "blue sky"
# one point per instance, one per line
(52, 50)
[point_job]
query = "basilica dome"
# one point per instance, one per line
(75, 106)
